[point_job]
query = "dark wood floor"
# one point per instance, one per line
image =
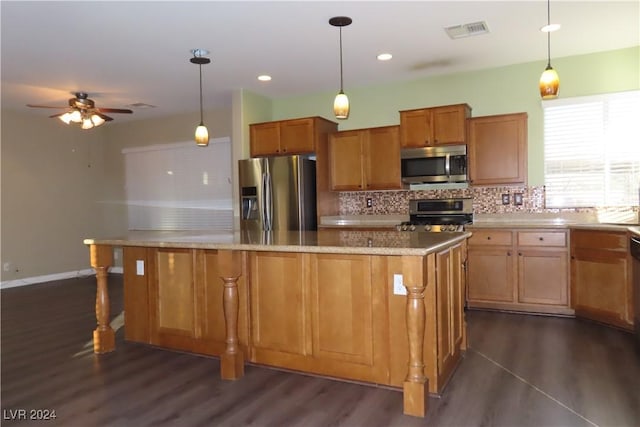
(519, 371)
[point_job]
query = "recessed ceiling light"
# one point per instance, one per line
(550, 28)
(264, 78)
(384, 57)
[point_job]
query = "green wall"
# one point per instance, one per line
(491, 91)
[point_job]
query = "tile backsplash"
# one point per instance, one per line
(486, 200)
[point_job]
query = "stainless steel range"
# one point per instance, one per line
(436, 215)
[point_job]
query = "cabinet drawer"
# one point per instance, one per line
(599, 240)
(490, 238)
(542, 238)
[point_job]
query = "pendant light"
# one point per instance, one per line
(202, 134)
(549, 80)
(341, 103)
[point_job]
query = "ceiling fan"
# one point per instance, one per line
(83, 110)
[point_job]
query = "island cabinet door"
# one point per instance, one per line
(280, 328)
(172, 298)
(347, 317)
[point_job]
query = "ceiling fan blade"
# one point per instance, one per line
(114, 110)
(45, 106)
(57, 115)
(105, 118)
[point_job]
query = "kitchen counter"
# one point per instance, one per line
(322, 302)
(362, 221)
(323, 241)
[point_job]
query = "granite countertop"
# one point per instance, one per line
(323, 241)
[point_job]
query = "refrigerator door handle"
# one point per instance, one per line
(263, 205)
(269, 209)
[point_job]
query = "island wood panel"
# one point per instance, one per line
(279, 309)
(172, 298)
(136, 294)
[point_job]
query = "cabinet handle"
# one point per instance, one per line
(508, 253)
(541, 238)
(284, 150)
(519, 253)
(488, 237)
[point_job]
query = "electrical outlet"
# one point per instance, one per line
(6, 266)
(517, 199)
(398, 287)
(369, 202)
(140, 267)
(505, 199)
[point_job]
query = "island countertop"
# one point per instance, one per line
(323, 241)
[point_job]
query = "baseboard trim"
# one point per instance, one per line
(51, 277)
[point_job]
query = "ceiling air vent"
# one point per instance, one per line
(466, 30)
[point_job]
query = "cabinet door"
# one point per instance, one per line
(171, 299)
(498, 149)
(296, 136)
(342, 308)
(278, 306)
(346, 160)
(265, 139)
(491, 274)
(449, 125)
(543, 277)
(415, 128)
(444, 310)
(382, 160)
(600, 281)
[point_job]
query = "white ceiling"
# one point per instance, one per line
(138, 52)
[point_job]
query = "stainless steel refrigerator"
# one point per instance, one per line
(277, 193)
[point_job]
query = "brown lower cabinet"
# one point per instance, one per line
(323, 313)
(519, 269)
(601, 276)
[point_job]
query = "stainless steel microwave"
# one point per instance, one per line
(442, 164)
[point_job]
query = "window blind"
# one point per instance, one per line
(179, 186)
(592, 150)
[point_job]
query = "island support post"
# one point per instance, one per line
(104, 339)
(416, 384)
(230, 268)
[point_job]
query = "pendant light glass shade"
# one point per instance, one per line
(202, 133)
(549, 80)
(549, 83)
(341, 103)
(341, 106)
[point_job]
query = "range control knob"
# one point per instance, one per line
(399, 227)
(412, 227)
(427, 227)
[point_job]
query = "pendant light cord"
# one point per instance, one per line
(548, 33)
(341, 89)
(200, 68)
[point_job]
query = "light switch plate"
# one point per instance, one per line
(140, 267)
(398, 287)
(517, 199)
(505, 199)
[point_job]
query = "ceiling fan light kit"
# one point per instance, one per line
(549, 80)
(202, 133)
(341, 103)
(83, 112)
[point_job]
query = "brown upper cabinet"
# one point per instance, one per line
(497, 149)
(288, 137)
(365, 159)
(434, 126)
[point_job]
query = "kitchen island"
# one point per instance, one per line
(381, 307)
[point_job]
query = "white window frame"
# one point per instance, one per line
(592, 150)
